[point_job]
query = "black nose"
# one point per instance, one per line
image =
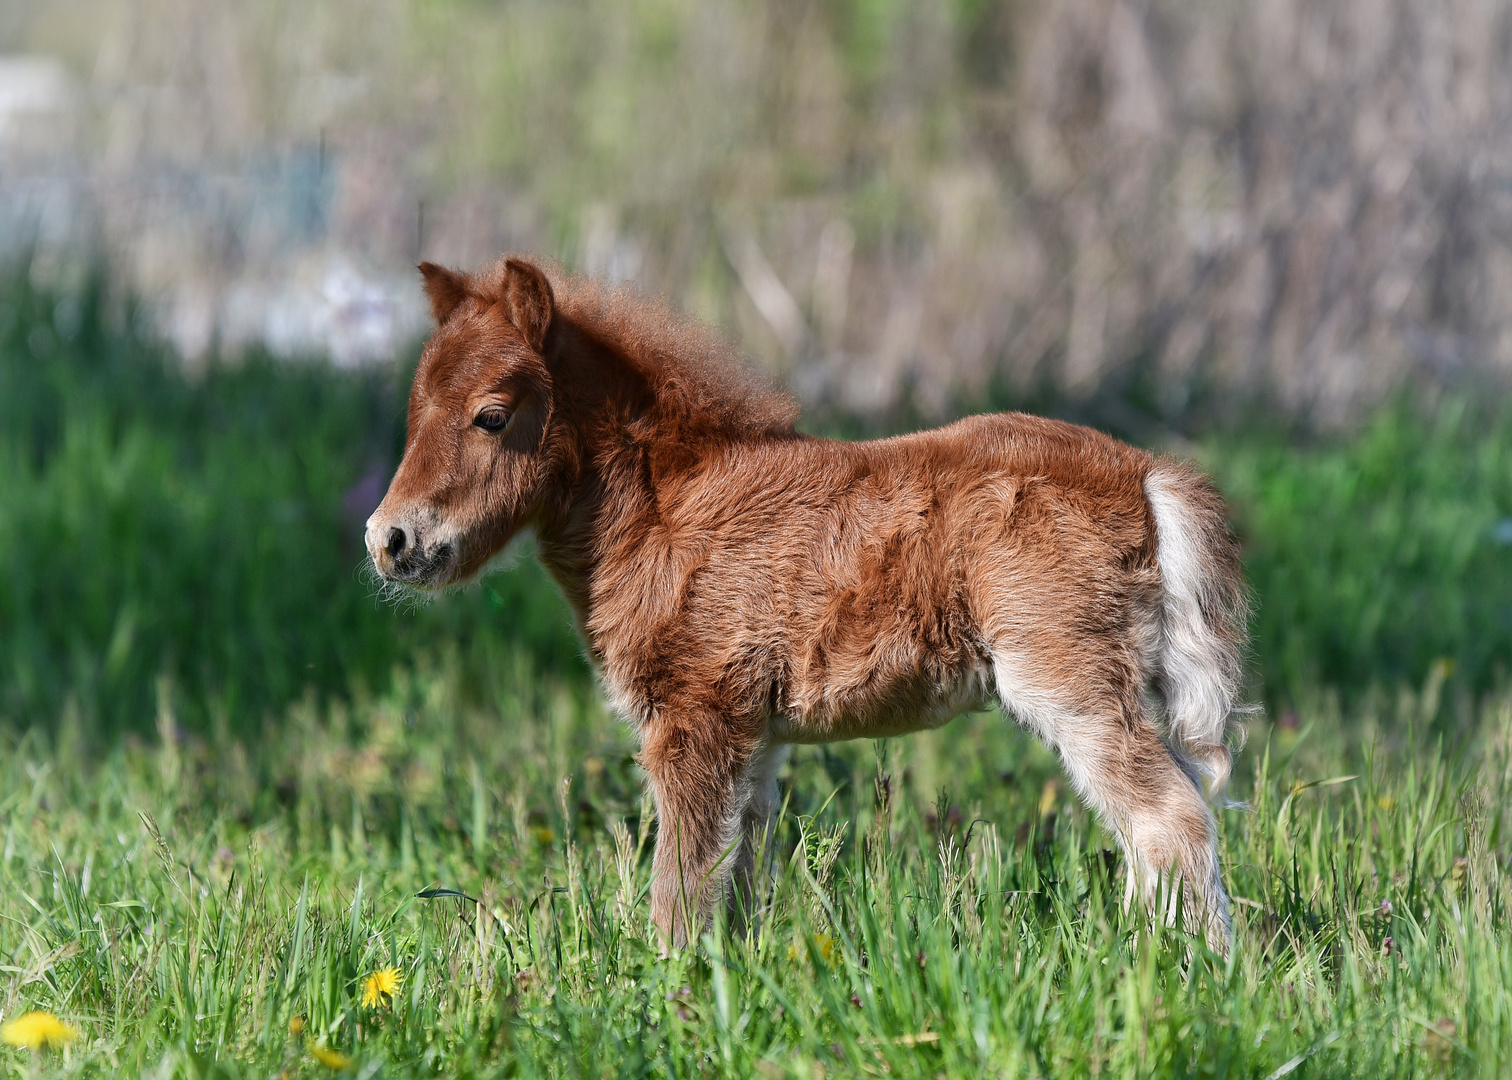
(398, 541)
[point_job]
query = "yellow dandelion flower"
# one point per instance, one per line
(1048, 795)
(825, 945)
(36, 1030)
(331, 1059)
(296, 1025)
(380, 987)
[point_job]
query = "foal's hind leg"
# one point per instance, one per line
(1118, 763)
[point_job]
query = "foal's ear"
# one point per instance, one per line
(446, 289)
(528, 301)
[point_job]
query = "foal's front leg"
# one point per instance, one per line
(701, 774)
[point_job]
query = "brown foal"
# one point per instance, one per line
(742, 586)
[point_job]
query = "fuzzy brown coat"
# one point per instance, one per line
(742, 586)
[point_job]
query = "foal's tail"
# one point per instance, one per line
(1204, 616)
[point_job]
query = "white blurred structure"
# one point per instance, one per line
(36, 101)
(225, 260)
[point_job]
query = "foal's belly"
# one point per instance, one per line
(881, 712)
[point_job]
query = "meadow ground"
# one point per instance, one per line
(228, 773)
(940, 906)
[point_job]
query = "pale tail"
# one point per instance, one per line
(1205, 616)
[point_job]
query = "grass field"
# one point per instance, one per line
(227, 773)
(941, 907)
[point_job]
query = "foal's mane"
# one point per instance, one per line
(702, 385)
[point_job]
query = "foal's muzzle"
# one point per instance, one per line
(402, 552)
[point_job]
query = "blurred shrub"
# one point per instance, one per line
(1376, 557)
(207, 528)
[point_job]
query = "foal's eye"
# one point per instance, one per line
(491, 419)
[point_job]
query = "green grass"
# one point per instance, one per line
(205, 528)
(182, 901)
(1381, 558)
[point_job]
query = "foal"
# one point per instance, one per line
(742, 586)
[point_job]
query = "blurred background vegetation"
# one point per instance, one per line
(1276, 238)
(199, 535)
(889, 204)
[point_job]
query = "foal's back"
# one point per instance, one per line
(859, 589)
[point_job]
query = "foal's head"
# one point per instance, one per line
(473, 467)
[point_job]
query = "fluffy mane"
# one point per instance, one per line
(701, 383)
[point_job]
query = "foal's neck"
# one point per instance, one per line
(627, 430)
(602, 491)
